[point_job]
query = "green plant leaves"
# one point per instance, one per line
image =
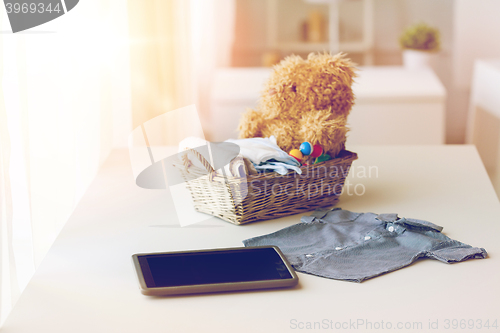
(420, 37)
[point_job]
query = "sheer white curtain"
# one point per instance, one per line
(64, 102)
(175, 47)
(73, 88)
(212, 40)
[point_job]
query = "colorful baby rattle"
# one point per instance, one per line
(317, 151)
(297, 154)
(308, 149)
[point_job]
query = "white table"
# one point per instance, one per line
(87, 284)
(483, 128)
(394, 105)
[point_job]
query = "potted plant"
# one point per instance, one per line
(419, 42)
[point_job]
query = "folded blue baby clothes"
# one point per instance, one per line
(279, 167)
(344, 245)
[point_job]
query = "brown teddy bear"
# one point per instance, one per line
(305, 100)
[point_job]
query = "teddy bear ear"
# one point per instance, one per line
(289, 62)
(312, 56)
(280, 77)
(337, 64)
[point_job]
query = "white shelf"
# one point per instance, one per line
(365, 45)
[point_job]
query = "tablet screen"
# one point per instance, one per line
(183, 269)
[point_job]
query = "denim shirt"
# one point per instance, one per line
(344, 245)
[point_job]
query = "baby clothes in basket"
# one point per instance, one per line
(263, 153)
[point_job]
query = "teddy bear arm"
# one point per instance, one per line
(329, 134)
(251, 124)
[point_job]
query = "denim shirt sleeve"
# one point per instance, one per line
(455, 251)
(448, 251)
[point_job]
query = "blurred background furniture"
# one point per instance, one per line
(394, 105)
(323, 29)
(483, 127)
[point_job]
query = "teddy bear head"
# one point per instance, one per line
(320, 82)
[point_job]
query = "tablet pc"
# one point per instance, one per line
(213, 270)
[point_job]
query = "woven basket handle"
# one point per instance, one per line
(187, 163)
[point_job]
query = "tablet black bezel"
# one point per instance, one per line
(148, 286)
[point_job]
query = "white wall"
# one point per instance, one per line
(476, 34)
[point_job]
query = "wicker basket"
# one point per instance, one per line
(266, 195)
